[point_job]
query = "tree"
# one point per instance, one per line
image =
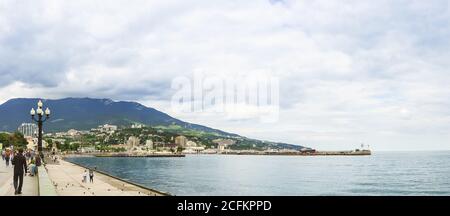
(58, 145)
(15, 139)
(180, 149)
(4, 138)
(74, 147)
(49, 143)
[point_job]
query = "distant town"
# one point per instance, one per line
(142, 140)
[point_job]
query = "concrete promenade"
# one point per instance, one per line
(30, 184)
(67, 178)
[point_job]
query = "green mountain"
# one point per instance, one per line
(87, 113)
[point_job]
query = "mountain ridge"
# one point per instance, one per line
(85, 113)
(89, 112)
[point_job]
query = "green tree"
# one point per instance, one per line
(4, 138)
(49, 143)
(17, 139)
(180, 149)
(58, 145)
(74, 147)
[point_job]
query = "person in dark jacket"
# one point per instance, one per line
(20, 168)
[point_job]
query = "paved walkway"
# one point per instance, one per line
(30, 184)
(67, 178)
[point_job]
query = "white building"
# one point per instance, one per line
(73, 132)
(226, 142)
(221, 147)
(137, 126)
(149, 144)
(191, 144)
(28, 129)
(107, 128)
(223, 144)
(181, 141)
(133, 142)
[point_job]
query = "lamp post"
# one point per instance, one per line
(42, 116)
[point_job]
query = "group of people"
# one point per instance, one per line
(91, 176)
(23, 164)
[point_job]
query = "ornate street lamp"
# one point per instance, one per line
(42, 116)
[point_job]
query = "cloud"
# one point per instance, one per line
(349, 71)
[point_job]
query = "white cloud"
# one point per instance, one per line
(350, 71)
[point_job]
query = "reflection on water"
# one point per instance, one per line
(384, 173)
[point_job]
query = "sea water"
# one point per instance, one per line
(383, 173)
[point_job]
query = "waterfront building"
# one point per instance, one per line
(223, 144)
(191, 144)
(209, 151)
(137, 126)
(107, 128)
(181, 141)
(221, 147)
(28, 129)
(193, 147)
(226, 142)
(133, 142)
(149, 144)
(73, 132)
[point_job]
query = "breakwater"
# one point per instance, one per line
(315, 153)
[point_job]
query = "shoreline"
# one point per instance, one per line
(120, 179)
(258, 153)
(66, 178)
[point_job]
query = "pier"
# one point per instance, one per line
(297, 153)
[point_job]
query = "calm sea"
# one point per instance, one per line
(383, 173)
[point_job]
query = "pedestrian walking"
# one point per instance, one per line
(91, 176)
(12, 154)
(20, 168)
(28, 156)
(3, 154)
(85, 175)
(7, 157)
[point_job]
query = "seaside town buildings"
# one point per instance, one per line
(109, 138)
(137, 126)
(106, 128)
(149, 144)
(181, 141)
(133, 141)
(28, 129)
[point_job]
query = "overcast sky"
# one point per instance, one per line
(350, 71)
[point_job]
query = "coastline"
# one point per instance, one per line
(66, 178)
(233, 152)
